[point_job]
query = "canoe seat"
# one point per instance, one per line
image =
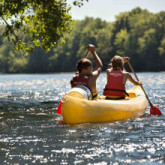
(132, 94)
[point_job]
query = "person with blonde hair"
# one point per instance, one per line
(116, 79)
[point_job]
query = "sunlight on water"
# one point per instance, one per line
(32, 133)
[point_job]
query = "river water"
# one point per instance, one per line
(30, 131)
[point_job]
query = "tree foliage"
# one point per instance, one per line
(43, 22)
(138, 34)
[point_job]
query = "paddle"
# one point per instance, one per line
(86, 55)
(153, 110)
(59, 108)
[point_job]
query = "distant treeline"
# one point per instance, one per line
(137, 34)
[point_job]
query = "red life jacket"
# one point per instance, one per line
(115, 86)
(83, 81)
(80, 81)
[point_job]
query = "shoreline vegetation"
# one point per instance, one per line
(54, 73)
(138, 34)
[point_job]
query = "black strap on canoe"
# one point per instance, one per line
(110, 98)
(117, 90)
(94, 96)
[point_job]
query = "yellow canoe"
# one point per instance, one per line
(78, 110)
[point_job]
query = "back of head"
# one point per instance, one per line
(117, 62)
(83, 64)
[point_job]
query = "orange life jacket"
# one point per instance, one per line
(115, 86)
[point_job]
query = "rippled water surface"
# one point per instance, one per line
(30, 131)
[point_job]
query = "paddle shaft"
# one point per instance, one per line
(140, 85)
(86, 56)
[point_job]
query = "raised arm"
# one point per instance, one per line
(98, 61)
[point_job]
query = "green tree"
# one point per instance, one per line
(104, 47)
(120, 42)
(136, 37)
(148, 50)
(43, 21)
(58, 62)
(161, 50)
(11, 61)
(162, 47)
(138, 34)
(38, 61)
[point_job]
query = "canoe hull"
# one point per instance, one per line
(75, 110)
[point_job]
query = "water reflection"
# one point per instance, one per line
(30, 131)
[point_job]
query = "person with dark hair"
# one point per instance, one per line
(86, 75)
(116, 79)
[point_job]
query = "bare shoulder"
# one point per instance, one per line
(128, 75)
(125, 73)
(92, 77)
(108, 70)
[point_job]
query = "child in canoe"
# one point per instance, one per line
(116, 79)
(86, 75)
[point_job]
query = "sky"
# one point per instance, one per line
(108, 9)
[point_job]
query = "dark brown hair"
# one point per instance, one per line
(83, 64)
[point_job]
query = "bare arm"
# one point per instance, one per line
(98, 61)
(126, 59)
(130, 78)
(134, 81)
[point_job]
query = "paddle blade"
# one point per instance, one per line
(155, 111)
(59, 109)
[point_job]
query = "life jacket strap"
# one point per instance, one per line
(118, 90)
(94, 96)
